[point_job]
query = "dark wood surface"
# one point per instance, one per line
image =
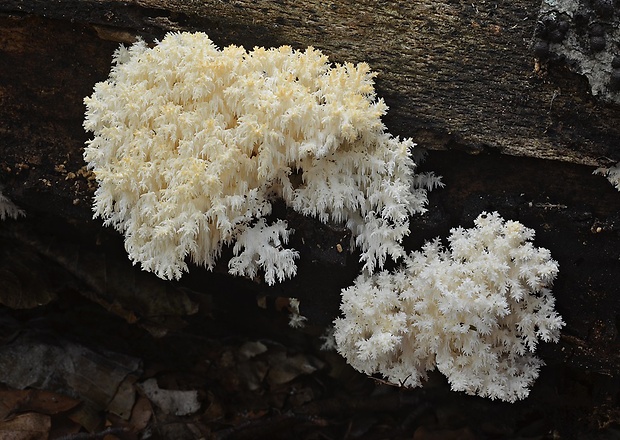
(455, 74)
(505, 131)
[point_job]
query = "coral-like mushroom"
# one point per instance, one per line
(192, 144)
(474, 311)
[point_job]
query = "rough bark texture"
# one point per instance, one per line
(455, 74)
(460, 78)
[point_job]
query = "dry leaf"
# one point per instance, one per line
(141, 414)
(177, 402)
(30, 361)
(29, 426)
(45, 402)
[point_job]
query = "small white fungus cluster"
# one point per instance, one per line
(612, 173)
(8, 209)
(474, 311)
(192, 144)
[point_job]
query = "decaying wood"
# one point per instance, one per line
(507, 133)
(455, 74)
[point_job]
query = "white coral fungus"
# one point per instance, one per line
(474, 311)
(192, 143)
(612, 173)
(8, 209)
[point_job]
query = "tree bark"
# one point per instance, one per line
(455, 74)
(508, 131)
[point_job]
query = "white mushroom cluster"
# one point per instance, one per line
(474, 311)
(192, 144)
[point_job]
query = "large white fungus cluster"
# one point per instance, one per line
(192, 144)
(474, 311)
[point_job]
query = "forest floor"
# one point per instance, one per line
(77, 368)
